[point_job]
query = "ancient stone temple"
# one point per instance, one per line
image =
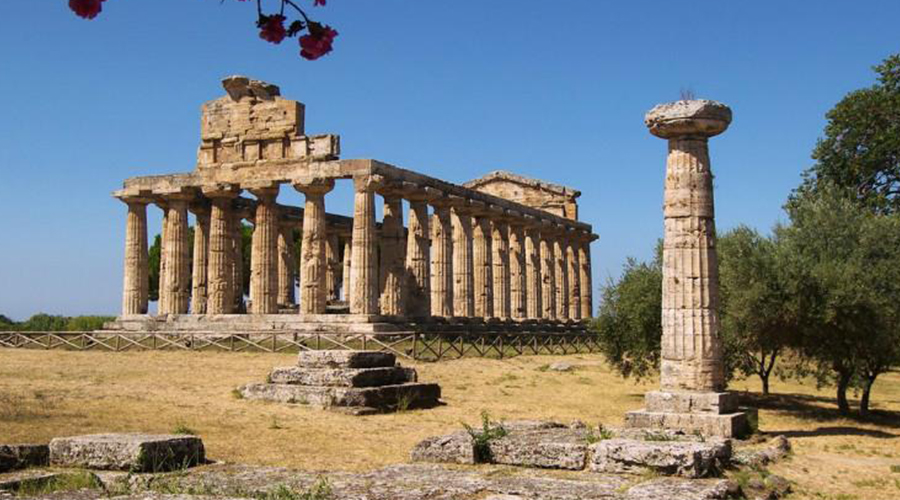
(692, 368)
(503, 249)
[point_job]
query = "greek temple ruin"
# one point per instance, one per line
(501, 249)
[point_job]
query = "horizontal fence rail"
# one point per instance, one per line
(424, 346)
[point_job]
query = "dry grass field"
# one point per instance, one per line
(53, 393)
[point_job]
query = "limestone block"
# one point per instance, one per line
(130, 452)
(691, 402)
(555, 448)
(413, 395)
(346, 359)
(344, 377)
(708, 424)
(700, 117)
(22, 456)
(687, 459)
(456, 448)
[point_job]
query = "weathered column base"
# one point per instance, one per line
(712, 414)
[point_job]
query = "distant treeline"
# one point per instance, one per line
(49, 323)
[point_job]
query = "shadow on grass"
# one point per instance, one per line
(822, 409)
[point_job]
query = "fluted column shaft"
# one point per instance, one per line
(175, 296)
(518, 275)
(313, 295)
(548, 277)
(463, 265)
(364, 267)
(332, 256)
(264, 254)
(237, 260)
(572, 267)
(561, 273)
(483, 263)
(418, 265)
(393, 256)
(586, 290)
(135, 289)
(199, 282)
(502, 286)
(220, 290)
(533, 281)
(348, 262)
(286, 266)
(161, 274)
(442, 262)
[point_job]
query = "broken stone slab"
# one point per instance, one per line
(22, 456)
(776, 449)
(672, 488)
(129, 452)
(412, 395)
(343, 377)
(346, 359)
(456, 448)
(686, 459)
(553, 448)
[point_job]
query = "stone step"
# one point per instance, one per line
(342, 377)
(128, 452)
(346, 359)
(708, 424)
(411, 395)
(680, 458)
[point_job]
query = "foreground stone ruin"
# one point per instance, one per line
(502, 250)
(355, 382)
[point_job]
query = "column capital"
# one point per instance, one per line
(314, 185)
(268, 193)
(135, 200)
(697, 119)
(368, 182)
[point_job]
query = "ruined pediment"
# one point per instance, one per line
(553, 198)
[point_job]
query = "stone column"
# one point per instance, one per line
(548, 273)
(518, 275)
(237, 259)
(572, 271)
(502, 289)
(418, 254)
(442, 260)
(287, 260)
(364, 266)
(161, 289)
(264, 253)
(483, 262)
(332, 257)
(393, 255)
(201, 252)
(175, 297)
(463, 266)
(313, 296)
(533, 281)
(692, 366)
(219, 289)
(584, 273)
(561, 273)
(135, 287)
(348, 260)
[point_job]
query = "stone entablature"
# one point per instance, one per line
(553, 198)
(443, 265)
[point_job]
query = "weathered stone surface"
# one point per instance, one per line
(691, 402)
(346, 359)
(687, 459)
(412, 395)
(708, 424)
(702, 118)
(345, 377)
(21, 456)
(560, 366)
(133, 452)
(556, 199)
(776, 449)
(556, 448)
(456, 448)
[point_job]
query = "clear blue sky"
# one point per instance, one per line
(554, 90)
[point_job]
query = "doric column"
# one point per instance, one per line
(441, 260)
(501, 260)
(219, 288)
(348, 263)
(533, 281)
(237, 259)
(393, 254)
(201, 252)
(161, 273)
(584, 272)
(518, 275)
(573, 272)
(483, 263)
(333, 269)
(364, 266)
(313, 296)
(463, 265)
(561, 273)
(287, 262)
(174, 298)
(418, 254)
(135, 287)
(264, 253)
(548, 273)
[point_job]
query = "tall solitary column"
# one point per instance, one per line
(418, 255)
(561, 273)
(201, 252)
(692, 366)
(287, 262)
(584, 273)
(364, 268)
(442, 260)
(175, 297)
(313, 296)
(219, 289)
(264, 253)
(502, 279)
(518, 276)
(393, 255)
(463, 266)
(533, 281)
(136, 276)
(572, 267)
(483, 257)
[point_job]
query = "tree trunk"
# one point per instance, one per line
(842, 384)
(867, 391)
(765, 383)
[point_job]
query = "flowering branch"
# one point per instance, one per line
(314, 44)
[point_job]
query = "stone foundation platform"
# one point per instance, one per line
(128, 452)
(713, 414)
(355, 382)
